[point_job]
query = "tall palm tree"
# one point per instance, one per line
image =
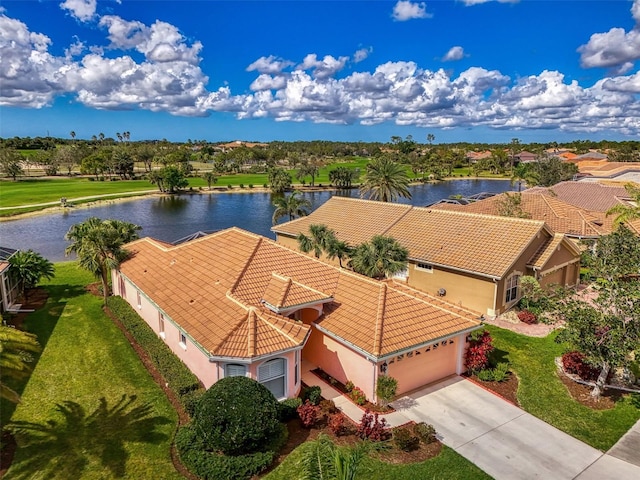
(380, 257)
(290, 205)
(337, 249)
(319, 239)
(385, 180)
(15, 358)
(629, 212)
(28, 268)
(524, 173)
(99, 246)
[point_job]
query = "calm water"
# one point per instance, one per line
(172, 218)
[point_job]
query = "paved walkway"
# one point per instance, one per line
(500, 438)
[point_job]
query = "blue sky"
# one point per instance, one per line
(466, 70)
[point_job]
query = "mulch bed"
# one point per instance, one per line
(582, 394)
(507, 389)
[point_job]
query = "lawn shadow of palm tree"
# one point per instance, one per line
(63, 449)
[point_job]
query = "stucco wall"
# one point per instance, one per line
(475, 293)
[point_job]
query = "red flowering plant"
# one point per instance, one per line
(480, 346)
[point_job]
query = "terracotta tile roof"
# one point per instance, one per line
(487, 245)
(591, 196)
(213, 287)
(353, 220)
(543, 254)
(560, 216)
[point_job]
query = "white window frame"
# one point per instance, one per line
(424, 267)
(511, 291)
(139, 299)
(272, 377)
(403, 275)
(161, 331)
(226, 370)
(182, 340)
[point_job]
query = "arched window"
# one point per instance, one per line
(235, 370)
(273, 375)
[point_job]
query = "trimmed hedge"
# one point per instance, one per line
(215, 466)
(175, 373)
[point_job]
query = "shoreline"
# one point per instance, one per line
(204, 191)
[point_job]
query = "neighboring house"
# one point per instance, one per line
(473, 157)
(9, 288)
(525, 157)
(234, 303)
(575, 222)
(472, 260)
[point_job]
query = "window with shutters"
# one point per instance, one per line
(235, 370)
(272, 374)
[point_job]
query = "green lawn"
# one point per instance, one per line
(446, 466)
(542, 394)
(117, 421)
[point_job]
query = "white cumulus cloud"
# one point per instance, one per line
(407, 10)
(270, 65)
(470, 3)
(362, 54)
(83, 10)
(454, 53)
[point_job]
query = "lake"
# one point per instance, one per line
(170, 218)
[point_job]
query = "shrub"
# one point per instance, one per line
(486, 375)
(242, 185)
(191, 399)
(308, 413)
(476, 357)
(635, 400)
(404, 439)
(425, 432)
(371, 428)
(288, 408)
(251, 185)
(501, 372)
(313, 394)
(575, 363)
(328, 406)
(337, 424)
(349, 386)
(237, 415)
(175, 373)
(525, 316)
(386, 388)
(264, 185)
(214, 466)
(358, 396)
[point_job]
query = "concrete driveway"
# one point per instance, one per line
(500, 438)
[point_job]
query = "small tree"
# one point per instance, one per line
(28, 268)
(386, 389)
(236, 416)
(279, 179)
(210, 178)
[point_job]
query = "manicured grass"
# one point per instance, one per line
(542, 394)
(118, 422)
(448, 465)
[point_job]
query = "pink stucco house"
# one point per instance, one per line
(235, 303)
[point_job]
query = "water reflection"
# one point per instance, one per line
(172, 217)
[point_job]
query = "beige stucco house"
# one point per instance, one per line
(472, 260)
(235, 303)
(9, 288)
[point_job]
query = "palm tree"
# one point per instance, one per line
(337, 249)
(319, 240)
(380, 257)
(290, 205)
(627, 213)
(385, 180)
(15, 358)
(523, 173)
(28, 268)
(99, 246)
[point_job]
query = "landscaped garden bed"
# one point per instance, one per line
(507, 389)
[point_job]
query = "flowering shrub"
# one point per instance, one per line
(358, 396)
(349, 386)
(525, 316)
(337, 424)
(308, 413)
(371, 428)
(480, 346)
(575, 363)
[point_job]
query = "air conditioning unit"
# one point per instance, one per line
(442, 292)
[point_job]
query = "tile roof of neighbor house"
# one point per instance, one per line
(215, 287)
(543, 254)
(482, 244)
(560, 216)
(592, 196)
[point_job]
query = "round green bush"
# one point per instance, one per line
(237, 415)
